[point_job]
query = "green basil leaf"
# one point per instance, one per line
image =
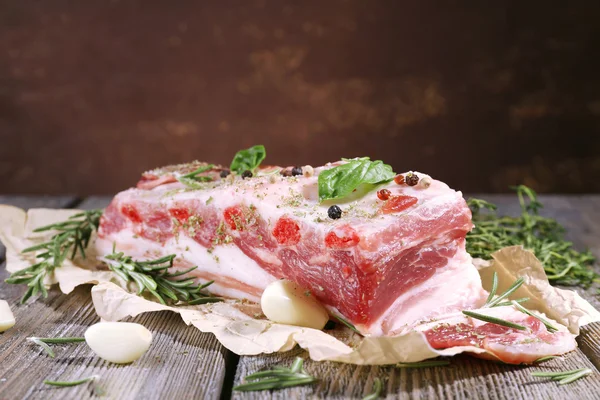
(338, 182)
(248, 159)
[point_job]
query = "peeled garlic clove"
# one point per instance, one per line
(7, 319)
(285, 302)
(118, 342)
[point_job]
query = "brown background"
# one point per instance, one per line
(479, 94)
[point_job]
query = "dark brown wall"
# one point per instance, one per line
(479, 94)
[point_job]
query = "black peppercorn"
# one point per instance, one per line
(334, 212)
(246, 174)
(411, 179)
(225, 173)
(296, 171)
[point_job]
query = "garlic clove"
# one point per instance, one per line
(118, 342)
(7, 319)
(285, 302)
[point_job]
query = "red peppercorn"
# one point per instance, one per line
(399, 179)
(383, 194)
(411, 179)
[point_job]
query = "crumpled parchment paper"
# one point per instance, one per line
(233, 322)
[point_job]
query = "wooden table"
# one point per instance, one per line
(183, 363)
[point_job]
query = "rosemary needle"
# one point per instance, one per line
(494, 320)
(423, 364)
(71, 383)
(546, 358)
(192, 179)
(348, 324)
(559, 374)
(575, 376)
(277, 378)
(564, 377)
(551, 328)
(43, 342)
(376, 390)
(509, 302)
(44, 346)
(513, 288)
(61, 339)
(494, 288)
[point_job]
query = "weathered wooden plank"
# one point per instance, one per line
(467, 377)
(94, 202)
(181, 363)
(39, 201)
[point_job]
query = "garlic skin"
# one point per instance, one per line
(285, 302)
(7, 319)
(118, 342)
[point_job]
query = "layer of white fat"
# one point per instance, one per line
(429, 210)
(226, 260)
(275, 196)
(457, 286)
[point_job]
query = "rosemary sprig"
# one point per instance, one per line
(43, 342)
(509, 302)
(277, 378)
(423, 364)
(73, 236)
(494, 320)
(71, 383)
(153, 276)
(564, 377)
(544, 236)
(551, 328)
(193, 178)
(376, 390)
(513, 288)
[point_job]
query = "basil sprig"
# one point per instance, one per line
(248, 159)
(338, 182)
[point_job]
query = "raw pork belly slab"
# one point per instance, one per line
(383, 266)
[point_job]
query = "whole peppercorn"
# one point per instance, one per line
(383, 194)
(411, 179)
(399, 179)
(225, 173)
(246, 174)
(296, 171)
(286, 172)
(334, 212)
